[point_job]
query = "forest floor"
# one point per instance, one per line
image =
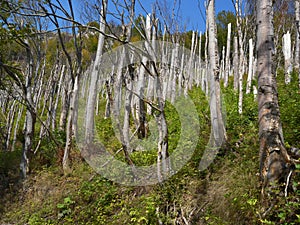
(228, 192)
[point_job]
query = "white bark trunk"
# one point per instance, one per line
(30, 116)
(215, 104)
(235, 65)
(57, 97)
(240, 105)
(10, 124)
(250, 69)
(90, 110)
(297, 47)
(206, 74)
(286, 48)
(69, 127)
(141, 112)
(65, 101)
(222, 72)
(16, 128)
(240, 38)
(297, 55)
(227, 61)
(174, 67)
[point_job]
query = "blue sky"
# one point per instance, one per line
(189, 11)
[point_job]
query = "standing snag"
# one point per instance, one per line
(274, 159)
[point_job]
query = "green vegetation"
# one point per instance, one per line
(226, 193)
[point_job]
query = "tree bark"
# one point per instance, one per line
(235, 65)
(141, 111)
(250, 68)
(30, 117)
(297, 53)
(218, 126)
(287, 53)
(273, 154)
(227, 61)
(90, 109)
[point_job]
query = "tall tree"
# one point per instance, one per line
(218, 126)
(273, 154)
(89, 127)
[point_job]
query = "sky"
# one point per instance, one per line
(189, 11)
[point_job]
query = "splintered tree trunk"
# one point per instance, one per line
(273, 155)
(286, 44)
(90, 109)
(218, 127)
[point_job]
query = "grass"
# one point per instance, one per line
(226, 193)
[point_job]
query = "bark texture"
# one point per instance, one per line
(215, 98)
(273, 155)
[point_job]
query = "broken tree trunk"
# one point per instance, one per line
(287, 53)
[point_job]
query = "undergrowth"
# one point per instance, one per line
(226, 193)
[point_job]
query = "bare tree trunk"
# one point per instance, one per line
(297, 47)
(218, 127)
(53, 123)
(287, 53)
(201, 80)
(163, 164)
(141, 82)
(90, 108)
(250, 69)
(235, 65)
(190, 63)
(174, 66)
(65, 102)
(227, 61)
(30, 118)
(297, 54)
(240, 38)
(273, 154)
(240, 104)
(69, 127)
(10, 124)
(206, 58)
(17, 127)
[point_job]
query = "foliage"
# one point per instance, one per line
(227, 193)
(289, 99)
